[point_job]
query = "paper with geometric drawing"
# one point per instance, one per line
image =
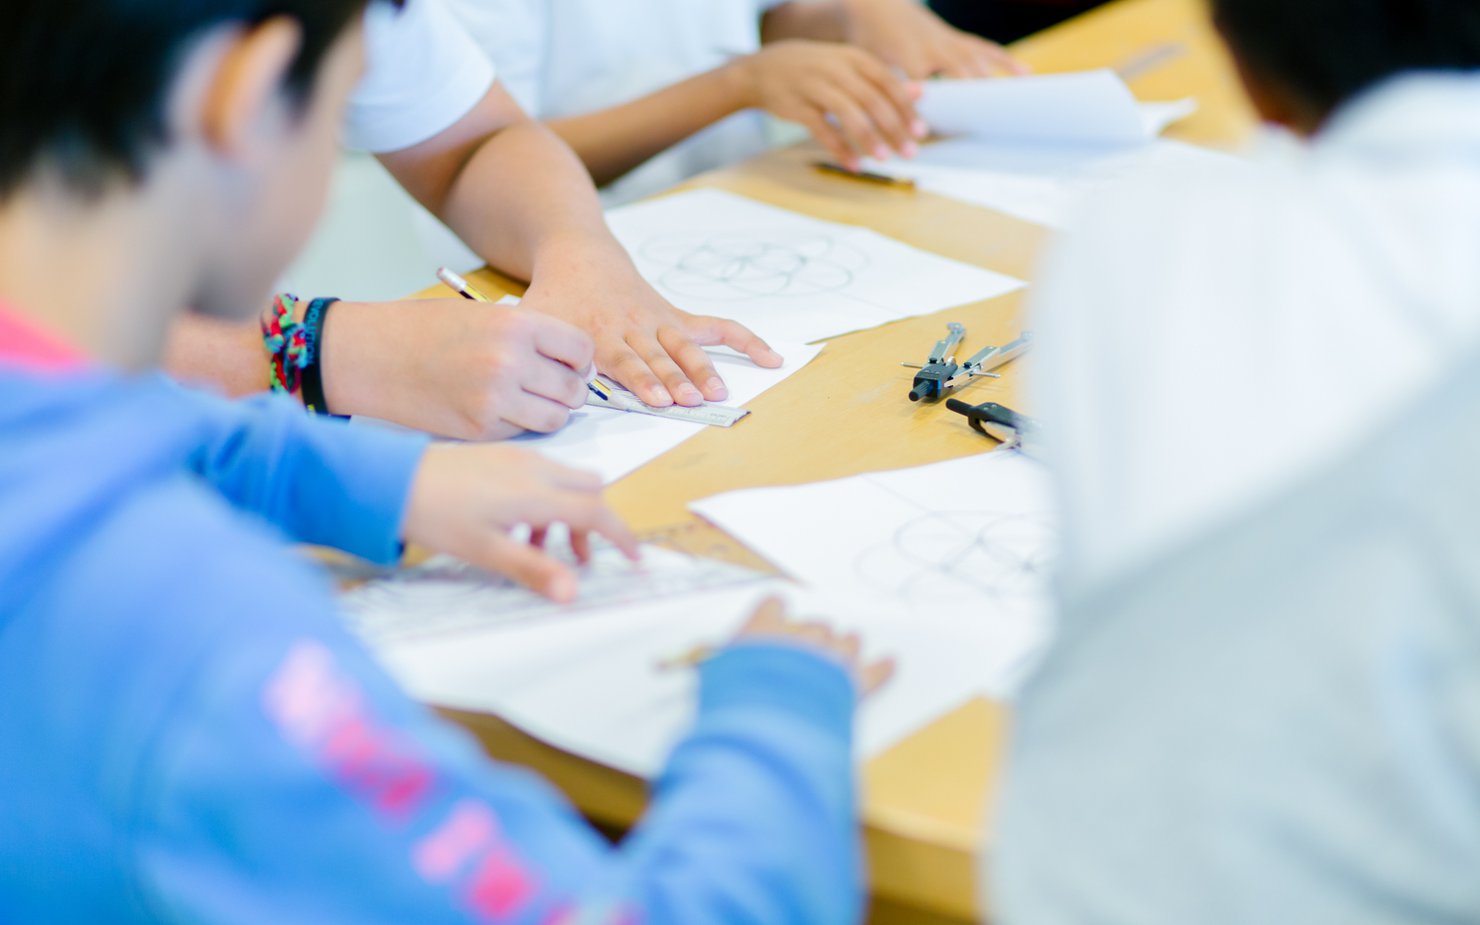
(588, 677)
(787, 276)
(966, 546)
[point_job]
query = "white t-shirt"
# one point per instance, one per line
(422, 74)
(1208, 335)
(1260, 392)
(563, 58)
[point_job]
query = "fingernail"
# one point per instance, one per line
(690, 395)
(659, 398)
(716, 387)
(911, 150)
(881, 153)
(920, 129)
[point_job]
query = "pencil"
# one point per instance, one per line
(461, 286)
(865, 176)
(690, 659)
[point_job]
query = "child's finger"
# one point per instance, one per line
(857, 128)
(634, 373)
(695, 362)
(879, 107)
(529, 567)
(875, 675)
(897, 98)
(580, 544)
(663, 365)
(724, 332)
(607, 524)
(830, 139)
(769, 619)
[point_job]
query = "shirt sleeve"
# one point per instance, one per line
(319, 481)
(516, 33)
(423, 73)
(299, 785)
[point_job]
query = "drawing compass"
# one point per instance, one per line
(988, 359)
(1014, 431)
(930, 381)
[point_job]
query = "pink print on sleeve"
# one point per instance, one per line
(321, 710)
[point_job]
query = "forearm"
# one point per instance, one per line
(223, 355)
(817, 20)
(522, 195)
(614, 141)
(319, 482)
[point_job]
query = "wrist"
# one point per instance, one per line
(736, 83)
(350, 361)
(772, 675)
(578, 250)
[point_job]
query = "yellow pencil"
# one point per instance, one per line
(690, 659)
(461, 286)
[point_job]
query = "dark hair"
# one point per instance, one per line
(1326, 52)
(83, 83)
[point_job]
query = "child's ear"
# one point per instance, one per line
(247, 85)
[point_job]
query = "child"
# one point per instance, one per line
(190, 733)
(1265, 702)
(660, 89)
(430, 109)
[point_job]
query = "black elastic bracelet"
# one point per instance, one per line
(313, 377)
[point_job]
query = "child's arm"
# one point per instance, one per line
(905, 34)
(365, 490)
(443, 366)
(846, 98)
(301, 786)
(518, 196)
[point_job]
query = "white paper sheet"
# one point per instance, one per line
(446, 597)
(1093, 108)
(1037, 184)
(588, 679)
(787, 276)
(614, 443)
(965, 547)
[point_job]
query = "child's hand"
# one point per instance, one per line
(771, 623)
(908, 36)
(641, 339)
(466, 500)
(847, 98)
(455, 368)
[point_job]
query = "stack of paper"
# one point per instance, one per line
(1033, 147)
(1092, 108)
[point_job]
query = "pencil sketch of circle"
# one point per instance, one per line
(744, 265)
(948, 556)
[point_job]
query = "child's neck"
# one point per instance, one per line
(106, 275)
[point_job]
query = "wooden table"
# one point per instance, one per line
(925, 800)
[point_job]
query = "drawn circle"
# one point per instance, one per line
(959, 556)
(736, 265)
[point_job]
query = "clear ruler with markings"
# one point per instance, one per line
(712, 415)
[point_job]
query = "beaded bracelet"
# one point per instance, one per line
(294, 349)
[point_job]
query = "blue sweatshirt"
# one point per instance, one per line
(188, 734)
